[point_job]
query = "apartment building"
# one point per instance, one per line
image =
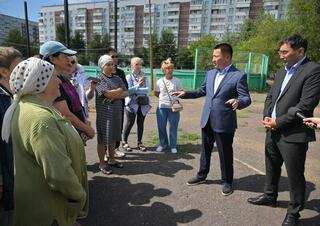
(187, 19)
(8, 22)
(87, 18)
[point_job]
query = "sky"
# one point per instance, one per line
(16, 7)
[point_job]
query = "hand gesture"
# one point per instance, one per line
(180, 93)
(269, 123)
(234, 103)
(141, 81)
(312, 122)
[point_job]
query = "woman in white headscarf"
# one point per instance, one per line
(51, 180)
(109, 94)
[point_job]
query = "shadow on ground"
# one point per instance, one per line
(116, 201)
(255, 183)
(164, 164)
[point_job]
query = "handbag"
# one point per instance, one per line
(176, 106)
(142, 100)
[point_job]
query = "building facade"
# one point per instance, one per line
(187, 19)
(8, 22)
(87, 18)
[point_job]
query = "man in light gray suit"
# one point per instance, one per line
(225, 89)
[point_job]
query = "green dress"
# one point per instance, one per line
(51, 186)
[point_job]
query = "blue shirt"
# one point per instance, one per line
(289, 73)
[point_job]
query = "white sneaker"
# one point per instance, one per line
(174, 150)
(159, 149)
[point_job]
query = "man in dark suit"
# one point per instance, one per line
(296, 89)
(225, 89)
(119, 72)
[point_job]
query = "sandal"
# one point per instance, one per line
(141, 147)
(105, 170)
(126, 147)
(116, 164)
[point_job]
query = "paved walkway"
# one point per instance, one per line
(151, 189)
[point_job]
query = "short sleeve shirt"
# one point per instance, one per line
(172, 85)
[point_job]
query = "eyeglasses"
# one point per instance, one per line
(114, 56)
(73, 62)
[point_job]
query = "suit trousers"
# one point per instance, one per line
(293, 155)
(224, 145)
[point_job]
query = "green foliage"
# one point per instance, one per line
(185, 58)
(205, 45)
(77, 42)
(264, 34)
(167, 46)
(16, 40)
(60, 33)
(96, 47)
(304, 17)
(143, 53)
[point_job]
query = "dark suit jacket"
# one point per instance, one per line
(234, 85)
(301, 94)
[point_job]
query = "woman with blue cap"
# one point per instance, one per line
(68, 103)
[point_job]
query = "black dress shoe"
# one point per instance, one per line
(264, 199)
(227, 189)
(195, 181)
(291, 220)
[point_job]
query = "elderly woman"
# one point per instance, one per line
(137, 103)
(165, 87)
(51, 179)
(9, 58)
(68, 103)
(109, 92)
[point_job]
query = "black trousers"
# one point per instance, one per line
(130, 119)
(293, 155)
(224, 144)
(119, 142)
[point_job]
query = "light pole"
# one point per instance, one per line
(150, 48)
(27, 28)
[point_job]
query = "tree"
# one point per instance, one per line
(205, 46)
(97, 46)
(304, 17)
(77, 43)
(143, 54)
(167, 46)
(185, 58)
(16, 40)
(61, 33)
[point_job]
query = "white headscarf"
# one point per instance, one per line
(103, 60)
(30, 76)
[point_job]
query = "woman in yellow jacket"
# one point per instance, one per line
(51, 181)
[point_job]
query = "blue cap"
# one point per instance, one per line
(51, 47)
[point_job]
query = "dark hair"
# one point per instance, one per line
(225, 48)
(295, 41)
(48, 57)
(109, 50)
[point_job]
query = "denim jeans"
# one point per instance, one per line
(163, 116)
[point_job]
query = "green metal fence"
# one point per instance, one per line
(254, 64)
